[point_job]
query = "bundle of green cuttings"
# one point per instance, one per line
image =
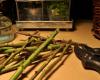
(45, 52)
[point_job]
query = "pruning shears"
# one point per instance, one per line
(90, 57)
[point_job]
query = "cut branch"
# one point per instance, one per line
(33, 56)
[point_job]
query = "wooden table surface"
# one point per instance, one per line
(72, 68)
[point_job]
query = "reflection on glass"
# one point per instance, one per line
(49, 10)
(58, 10)
(30, 10)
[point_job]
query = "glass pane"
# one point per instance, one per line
(29, 11)
(43, 10)
(58, 10)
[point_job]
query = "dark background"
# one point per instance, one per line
(80, 9)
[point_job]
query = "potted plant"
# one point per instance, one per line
(58, 10)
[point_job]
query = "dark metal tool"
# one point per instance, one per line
(90, 57)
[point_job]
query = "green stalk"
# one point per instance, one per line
(27, 48)
(5, 48)
(10, 68)
(46, 62)
(13, 54)
(45, 71)
(59, 64)
(13, 45)
(33, 56)
(13, 67)
(32, 48)
(53, 46)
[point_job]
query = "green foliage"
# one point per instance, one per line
(59, 9)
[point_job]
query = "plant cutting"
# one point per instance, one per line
(33, 56)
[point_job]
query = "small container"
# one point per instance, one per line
(6, 32)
